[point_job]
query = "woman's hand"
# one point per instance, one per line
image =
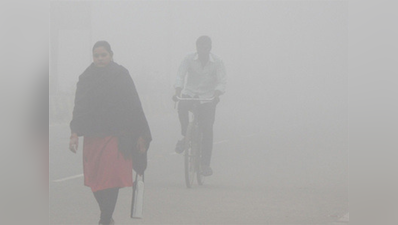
(74, 142)
(141, 145)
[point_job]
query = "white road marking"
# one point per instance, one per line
(69, 178)
(345, 218)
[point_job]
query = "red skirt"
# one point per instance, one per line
(104, 166)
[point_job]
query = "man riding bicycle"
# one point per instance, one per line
(200, 75)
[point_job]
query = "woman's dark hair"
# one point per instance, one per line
(104, 44)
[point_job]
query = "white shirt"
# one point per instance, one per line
(195, 79)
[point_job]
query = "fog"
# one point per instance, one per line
(286, 61)
(287, 81)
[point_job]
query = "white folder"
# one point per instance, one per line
(138, 198)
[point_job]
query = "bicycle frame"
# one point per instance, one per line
(193, 144)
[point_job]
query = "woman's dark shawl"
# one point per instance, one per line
(107, 103)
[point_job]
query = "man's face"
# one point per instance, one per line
(203, 49)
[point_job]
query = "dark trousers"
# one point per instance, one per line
(206, 116)
(107, 201)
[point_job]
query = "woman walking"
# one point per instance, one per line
(109, 115)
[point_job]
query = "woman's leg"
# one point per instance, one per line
(107, 201)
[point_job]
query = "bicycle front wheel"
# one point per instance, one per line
(189, 157)
(199, 177)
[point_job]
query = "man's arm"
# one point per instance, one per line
(182, 71)
(221, 80)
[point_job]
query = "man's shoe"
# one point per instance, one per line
(180, 146)
(207, 171)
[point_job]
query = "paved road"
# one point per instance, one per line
(261, 176)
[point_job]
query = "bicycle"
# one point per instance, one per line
(192, 147)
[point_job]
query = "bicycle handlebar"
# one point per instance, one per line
(178, 98)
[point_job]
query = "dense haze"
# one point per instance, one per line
(297, 107)
(287, 80)
(286, 61)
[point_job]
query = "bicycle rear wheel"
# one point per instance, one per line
(189, 157)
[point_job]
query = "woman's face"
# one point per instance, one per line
(101, 57)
